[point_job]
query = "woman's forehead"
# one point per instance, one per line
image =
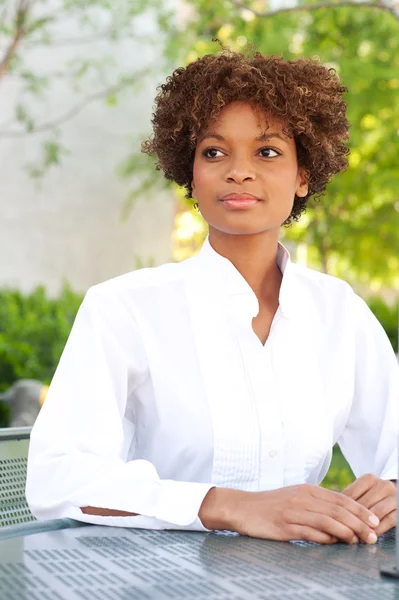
(247, 120)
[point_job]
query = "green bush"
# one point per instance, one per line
(5, 415)
(340, 474)
(33, 332)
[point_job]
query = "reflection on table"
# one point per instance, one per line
(104, 563)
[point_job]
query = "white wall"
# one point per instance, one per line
(70, 226)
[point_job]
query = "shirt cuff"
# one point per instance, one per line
(176, 507)
(390, 472)
(139, 522)
(180, 502)
(390, 475)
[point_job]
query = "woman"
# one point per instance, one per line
(209, 394)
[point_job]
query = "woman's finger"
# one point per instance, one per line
(345, 527)
(310, 534)
(384, 507)
(342, 508)
(361, 486)
(381, 489)
(387, 523)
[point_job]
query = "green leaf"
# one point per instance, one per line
(22, 116)
(111, 100)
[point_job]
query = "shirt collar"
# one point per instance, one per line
(226, 277)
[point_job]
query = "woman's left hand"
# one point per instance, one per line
(377, 495)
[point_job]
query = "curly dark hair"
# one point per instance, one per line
(302, 92)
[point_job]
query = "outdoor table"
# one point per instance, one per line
(90, 562)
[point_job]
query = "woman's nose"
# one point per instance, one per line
(240, 174)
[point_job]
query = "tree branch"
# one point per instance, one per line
(99, 37)
(379, 5)
(76, 109)
(20, 21)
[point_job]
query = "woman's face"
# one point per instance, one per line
(245, 173)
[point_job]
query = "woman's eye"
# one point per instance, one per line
(268, 153)
(215, 153)
(211, 153)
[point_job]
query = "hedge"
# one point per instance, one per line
(33, 332)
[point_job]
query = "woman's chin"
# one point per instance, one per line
(244, 227)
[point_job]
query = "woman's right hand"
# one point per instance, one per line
(299, 512)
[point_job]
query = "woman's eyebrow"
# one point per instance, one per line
(207, 135)
(264, 137)
(267, 136)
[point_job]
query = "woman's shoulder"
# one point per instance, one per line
(127, 284)
(325, 299)
(115, 304)
(320, 284)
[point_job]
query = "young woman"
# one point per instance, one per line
(209, 394)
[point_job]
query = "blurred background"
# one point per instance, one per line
(81, 204)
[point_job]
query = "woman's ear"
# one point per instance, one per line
(302, 185)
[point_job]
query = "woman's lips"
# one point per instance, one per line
(239, 201)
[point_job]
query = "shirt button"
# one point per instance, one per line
(272, 453)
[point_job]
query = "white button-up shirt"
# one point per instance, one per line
(164, 391)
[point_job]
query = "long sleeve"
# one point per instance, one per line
(370, 439)
(77, 454)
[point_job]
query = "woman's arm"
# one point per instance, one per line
(303, 512)
(299, 512)
(370, 439)
(77, 448)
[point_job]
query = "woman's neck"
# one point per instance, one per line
(255, 257)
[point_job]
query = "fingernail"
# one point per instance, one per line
(374, 520)
(371, 538)
(354, 540)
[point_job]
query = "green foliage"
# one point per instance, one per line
(33, 332)
(5, 414)
(352, 231)
(340, 474)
